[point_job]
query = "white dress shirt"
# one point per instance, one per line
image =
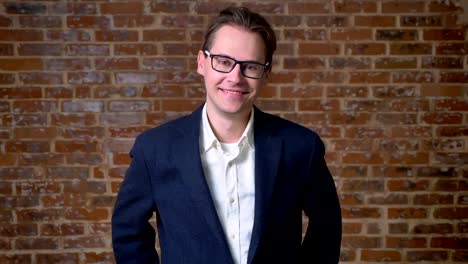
(229, 170)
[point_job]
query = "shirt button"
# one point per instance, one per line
(231, 200)
(233, 236)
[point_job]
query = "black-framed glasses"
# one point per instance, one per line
(225, 64)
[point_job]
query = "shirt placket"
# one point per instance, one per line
(232, 212)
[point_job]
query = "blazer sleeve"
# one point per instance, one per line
(322, 240)
(133, 237)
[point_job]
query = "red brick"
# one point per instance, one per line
(407, 213)
(454, 48)
(356, 7)
(85, 242)
(460, 256)
(41, 78)
(360, 212)
(410, 49)
(88, 78)
(365, 49)
(347, 255)
(68, 35)
(443, 118)
(405, 242)
(73, 8)
(169, 7)
(318, 105)
(441, 90)
(381, 255)
(94, 22)
(421, 21)
(319, 49)
(361, 242)
(350, 63)
(7, 78)
(275, 105)
(309, 8)
(307, 34)
(443, 34)
(326, 21)
(451, 213)
(454, 77)
(40, 21)
(116, 35)
(57, 258)
(360, 185)
(374, 21)
(87, 50)
(407, 185)
(348, 199)
(136, 77)
(351, 34)
(161, 64)
(21, 35)
(86, 214)
(72, 146)
(449, 242)
(398, 228)
(36, 243)
(117, 64)
(101, 257)
(396, 63)
(15, 258)
(452, 131)
(433, 229)
(21, 92)
(182, 21)
(405, 6)
(436, 6)
(396, 35)
(133, 21)
(426, 255)
(6, 21)
(164, 35)
(27, 146)
(442, 63)
(122, 8)
(129, 106)
(392, 145)
(347, 91)
(21, 64)
(111, 91)
(369, 77)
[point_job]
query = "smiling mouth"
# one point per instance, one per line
(233, 92)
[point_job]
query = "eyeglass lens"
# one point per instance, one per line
(226, 64)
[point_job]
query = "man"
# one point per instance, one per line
(229, 183)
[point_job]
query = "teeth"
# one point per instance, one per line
(232, 92)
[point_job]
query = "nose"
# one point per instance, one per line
(235, 75)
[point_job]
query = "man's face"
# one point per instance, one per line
(232, 94)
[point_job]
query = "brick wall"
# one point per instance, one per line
(384, 82)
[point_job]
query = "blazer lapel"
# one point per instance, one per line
(267, 157)
(187, 151)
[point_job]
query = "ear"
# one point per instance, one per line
(201, 62)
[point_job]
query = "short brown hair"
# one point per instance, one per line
(243, 17)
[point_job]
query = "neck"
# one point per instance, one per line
(228, 129)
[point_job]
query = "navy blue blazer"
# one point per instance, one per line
(166, 177)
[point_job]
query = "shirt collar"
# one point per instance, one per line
(208, 138)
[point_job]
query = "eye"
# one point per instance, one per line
(224, 61)
(252, 67)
